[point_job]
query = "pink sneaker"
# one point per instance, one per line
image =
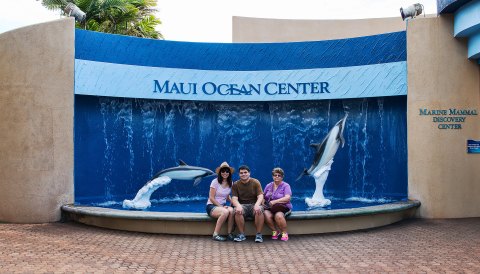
(274, 235)
(284, 236)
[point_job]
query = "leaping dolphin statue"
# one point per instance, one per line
(325, 150)
(185, 172)
(164, 177)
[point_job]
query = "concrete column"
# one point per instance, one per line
(36, 121)
(440, 172)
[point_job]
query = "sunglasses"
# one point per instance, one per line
(277, 175)
(225, 171)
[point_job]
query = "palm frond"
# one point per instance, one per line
(129, 17)
(54, 4)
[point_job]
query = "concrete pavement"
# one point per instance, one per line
(411, 246)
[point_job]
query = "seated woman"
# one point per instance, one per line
(277, 204)
(219, 194)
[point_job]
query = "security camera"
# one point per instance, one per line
(411, 11)
(72, 10)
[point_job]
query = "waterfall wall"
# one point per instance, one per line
(141, 105)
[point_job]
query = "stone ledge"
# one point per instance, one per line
(197, 217)
(299, 222)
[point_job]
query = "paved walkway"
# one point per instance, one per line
(412, 246)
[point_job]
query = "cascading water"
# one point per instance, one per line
(120, 143)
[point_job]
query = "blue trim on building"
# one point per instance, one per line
(474, 46)
(368, 50)
(450, 6)
(467, 20)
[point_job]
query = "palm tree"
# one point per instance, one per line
(146, 26)
(128, 17)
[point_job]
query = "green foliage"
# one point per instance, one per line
(127, 17)
(54, 4)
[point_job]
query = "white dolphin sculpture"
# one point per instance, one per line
(142, 199)
(185, 172)
(164, 177)
(322, 161)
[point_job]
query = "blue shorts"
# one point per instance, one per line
(210, 208)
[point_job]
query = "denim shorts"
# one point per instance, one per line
(210, 208)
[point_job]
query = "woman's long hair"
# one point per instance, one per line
(220, 178)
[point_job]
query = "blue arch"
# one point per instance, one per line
(368, 50)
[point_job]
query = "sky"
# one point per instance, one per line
(211, 20)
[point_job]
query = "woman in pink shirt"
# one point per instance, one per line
(218, 196)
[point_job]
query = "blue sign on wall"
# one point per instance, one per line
(119, 66)
(473, 146)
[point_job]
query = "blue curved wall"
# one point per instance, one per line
(450, 6)
(125, 131)
(121, 66)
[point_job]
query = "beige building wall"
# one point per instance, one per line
(246, 29)
(36, 121)
(36, 112)
(441, 174)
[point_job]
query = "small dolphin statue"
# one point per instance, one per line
(185, 172)
(325, 150)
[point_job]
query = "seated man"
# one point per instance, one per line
(247, 198)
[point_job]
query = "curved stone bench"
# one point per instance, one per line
(299, 222)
